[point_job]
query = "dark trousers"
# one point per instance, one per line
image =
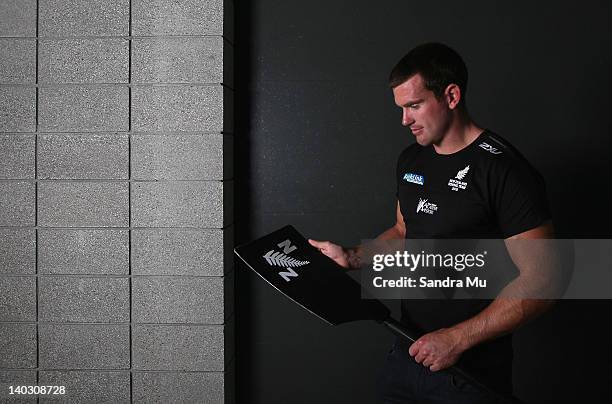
(403, 381)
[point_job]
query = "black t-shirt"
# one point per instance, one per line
(485, 190)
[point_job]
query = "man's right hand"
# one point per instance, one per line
(337, 253)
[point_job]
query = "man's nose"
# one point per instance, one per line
(406, 118)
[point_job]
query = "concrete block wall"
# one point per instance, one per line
(116, 199)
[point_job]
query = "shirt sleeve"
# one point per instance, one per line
(518, 195)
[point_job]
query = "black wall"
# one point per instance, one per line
(318, 136)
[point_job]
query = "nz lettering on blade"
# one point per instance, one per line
(282, 259)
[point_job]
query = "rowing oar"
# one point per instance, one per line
(292, 266)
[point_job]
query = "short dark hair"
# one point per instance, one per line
(438, 64)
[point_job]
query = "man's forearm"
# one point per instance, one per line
(512, 308)
(393, 233)
(501, 317)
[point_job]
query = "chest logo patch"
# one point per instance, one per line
(455, 183)
(414, 178)
(426, 207)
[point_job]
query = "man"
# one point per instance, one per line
(457, 181)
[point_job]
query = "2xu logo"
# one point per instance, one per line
(281, 259)
(489, 148)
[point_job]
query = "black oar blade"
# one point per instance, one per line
(288, 262)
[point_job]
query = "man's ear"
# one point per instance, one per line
(452, 95)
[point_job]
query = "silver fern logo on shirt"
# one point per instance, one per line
(455, 183)
(426, 207)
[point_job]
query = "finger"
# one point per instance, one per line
(420, 357)
(315, 243)
(414, 348)
(435, 367)
(428, 361)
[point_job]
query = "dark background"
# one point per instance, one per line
(317, 140)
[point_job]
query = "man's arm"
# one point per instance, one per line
(398, 231)
(348, 257)
(442, 348)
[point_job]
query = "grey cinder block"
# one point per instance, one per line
(179, 17)
(17, 203)
(178, 108)
(16, 378)
(178, 347)
(167, 387)
(84, 346)
(76, 108)
(181, 251)
(18, 347)
(91, 156)
(73, 299)
(83, 251)
(83, 204)
(17, 109)
(177, 60)
(18, 61)
(17, 298)
(83, 18)
(18, 18)
(17, 251)
(187, 157)
(83, 61)
(180, 204)
(177, 300)
(17, 156)
(88, 386)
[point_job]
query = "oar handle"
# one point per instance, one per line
(399, 329)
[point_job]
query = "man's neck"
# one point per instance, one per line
(460, 134)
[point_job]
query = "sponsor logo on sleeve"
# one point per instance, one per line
(490, 148)
(414, 178)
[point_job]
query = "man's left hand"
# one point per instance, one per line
(437, 350)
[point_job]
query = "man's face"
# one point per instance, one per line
(427, 117)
